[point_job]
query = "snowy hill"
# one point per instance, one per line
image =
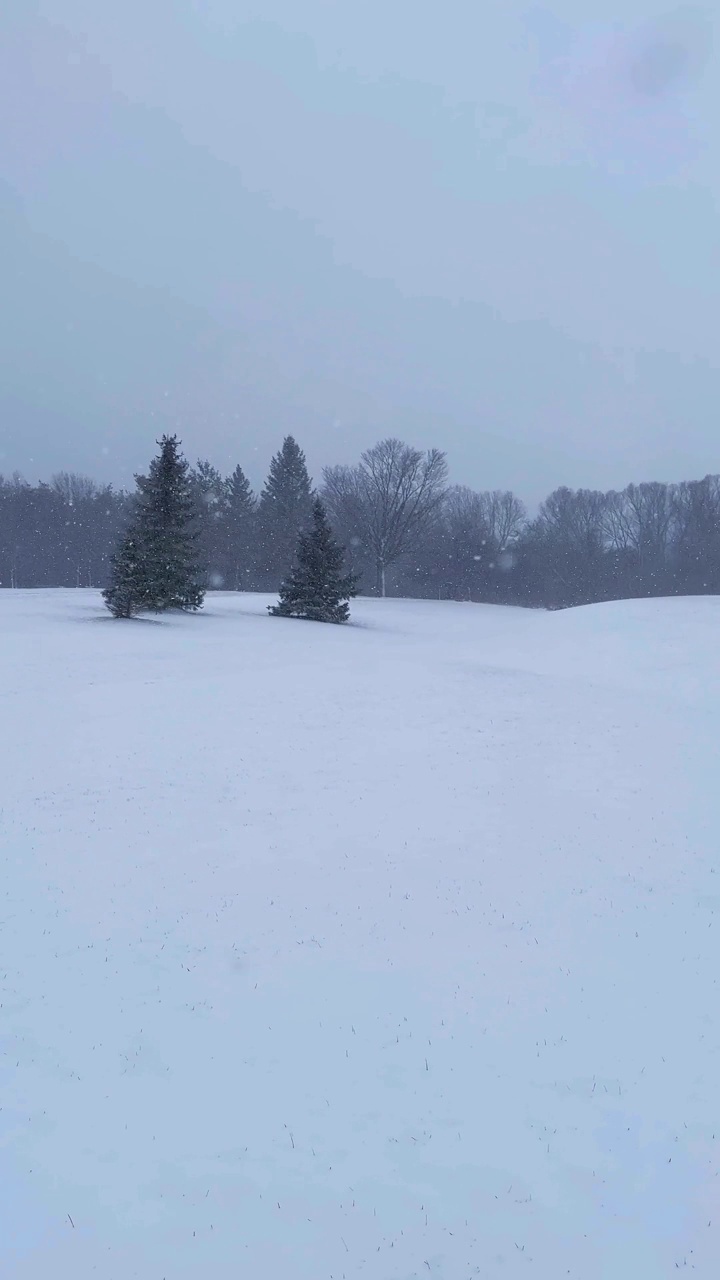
(386, 951)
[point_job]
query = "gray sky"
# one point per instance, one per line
(485, 226)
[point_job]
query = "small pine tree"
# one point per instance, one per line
(156, 566)
(316, 587)
(127, 591)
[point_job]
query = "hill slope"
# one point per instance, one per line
(386, 951)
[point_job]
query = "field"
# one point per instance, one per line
(384, 951)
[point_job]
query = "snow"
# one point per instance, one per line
(384, 951)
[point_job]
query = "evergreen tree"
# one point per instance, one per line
(126, 593)
(285, 505)
(239, 529)
(209, 494)
(156, 566)
(166, 516)
(316, 587)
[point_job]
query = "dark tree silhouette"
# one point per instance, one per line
(126, 593)
(284, 509)
(156, 565)
(389, 500)
(240, 529)
(316, 588)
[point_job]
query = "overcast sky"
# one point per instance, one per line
(480, 225)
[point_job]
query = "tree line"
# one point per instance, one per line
(405, 529)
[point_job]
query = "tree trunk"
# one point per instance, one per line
(380, 578)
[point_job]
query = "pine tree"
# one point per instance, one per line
(166, 517)
(316, 587)
(126, 593)
(239, 527)
(209, 494)
(156, 566)
(284, 509)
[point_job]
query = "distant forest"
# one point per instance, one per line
(406, 532)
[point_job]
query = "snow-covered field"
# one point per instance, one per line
(386, 951)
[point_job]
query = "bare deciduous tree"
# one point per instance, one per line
(465, 542)
(569, 537)
(466, 510)
(73, 488)
(504, 515)
(640, 519)
(696, 533)
(575, 517)
(388, 500)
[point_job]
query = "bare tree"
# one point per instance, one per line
(639, 525)
(466, 509)
(618, 522)
(568, 540)
(575, 517)
(465, 543)
(640, 518)
(696, 509)
(389, 500)
(504, 515)
(74, 488)
(696, 533)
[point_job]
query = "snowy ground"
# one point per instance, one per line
(387, 951)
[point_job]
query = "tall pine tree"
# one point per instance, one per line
(316, 587)
(209, 493)
(239, 528)
(284, 509)
(156, 565)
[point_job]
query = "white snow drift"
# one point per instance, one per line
(386, 951)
